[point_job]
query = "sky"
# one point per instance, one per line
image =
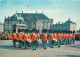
(58, 10)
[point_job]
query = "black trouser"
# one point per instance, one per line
(14, 42)
(20, 43)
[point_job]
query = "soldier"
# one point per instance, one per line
(38, 37)
(59, 38)
(67, 37)
(25, 40)
(19, 39)
(45, 38)
(33, 40)
(51, 38)
(14, 36)
(55, 36)
(64, 36)
(42, 37)
(73, 37)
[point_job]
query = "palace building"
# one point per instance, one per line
(27, 21)
(66, 26)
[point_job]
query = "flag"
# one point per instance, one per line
(28, 6)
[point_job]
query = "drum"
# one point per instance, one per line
(29, 40)
(55, 40)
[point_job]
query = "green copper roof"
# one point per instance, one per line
(29, 16)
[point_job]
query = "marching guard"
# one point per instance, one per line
(44, 38)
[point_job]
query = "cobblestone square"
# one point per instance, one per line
(7, 50)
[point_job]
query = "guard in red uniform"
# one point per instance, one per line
(38, 37)
(73, 37)
(19, 38)
(25, 40)
(51, 38)
(70, 37)
(33, 40)
(8, 36)
(67, 37)
(45, 38)
(55, 36)
(14, 36)
(64, 36)
(59, 38)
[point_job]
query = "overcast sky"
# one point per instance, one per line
(58, 10)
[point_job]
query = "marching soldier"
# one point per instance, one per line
(45, 38)
(55, 36)
(14, 36)
(67, 37)
(25, 40)
(38, 37)
(64, 36)
(73, 37)
(19, 39)
(59, 38)
(51, 38)
(8, 36)
(33, 40)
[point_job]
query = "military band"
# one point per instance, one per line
(31, 38)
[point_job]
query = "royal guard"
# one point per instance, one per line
(25, 40)
(22, 35)
(64, 36)
(51, 38)
(55, 37)
(38, 37)
(33, 40)
(59, 38)
(45, 38)
(8, 36)
(14, 37)
(42, 37)
(73, 37)
(67, 37)
(19, 39)
(29, 38)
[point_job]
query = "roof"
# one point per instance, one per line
(69, 21)
(29, 16)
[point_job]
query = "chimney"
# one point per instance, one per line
(36, 12)
(69, 19)
(22, 11)
(16, 11)
(58, 22)
(42, 12)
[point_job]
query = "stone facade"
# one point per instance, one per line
(32, 20)
(67, 26)
(1, 27)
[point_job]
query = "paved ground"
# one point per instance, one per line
(6, 50)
